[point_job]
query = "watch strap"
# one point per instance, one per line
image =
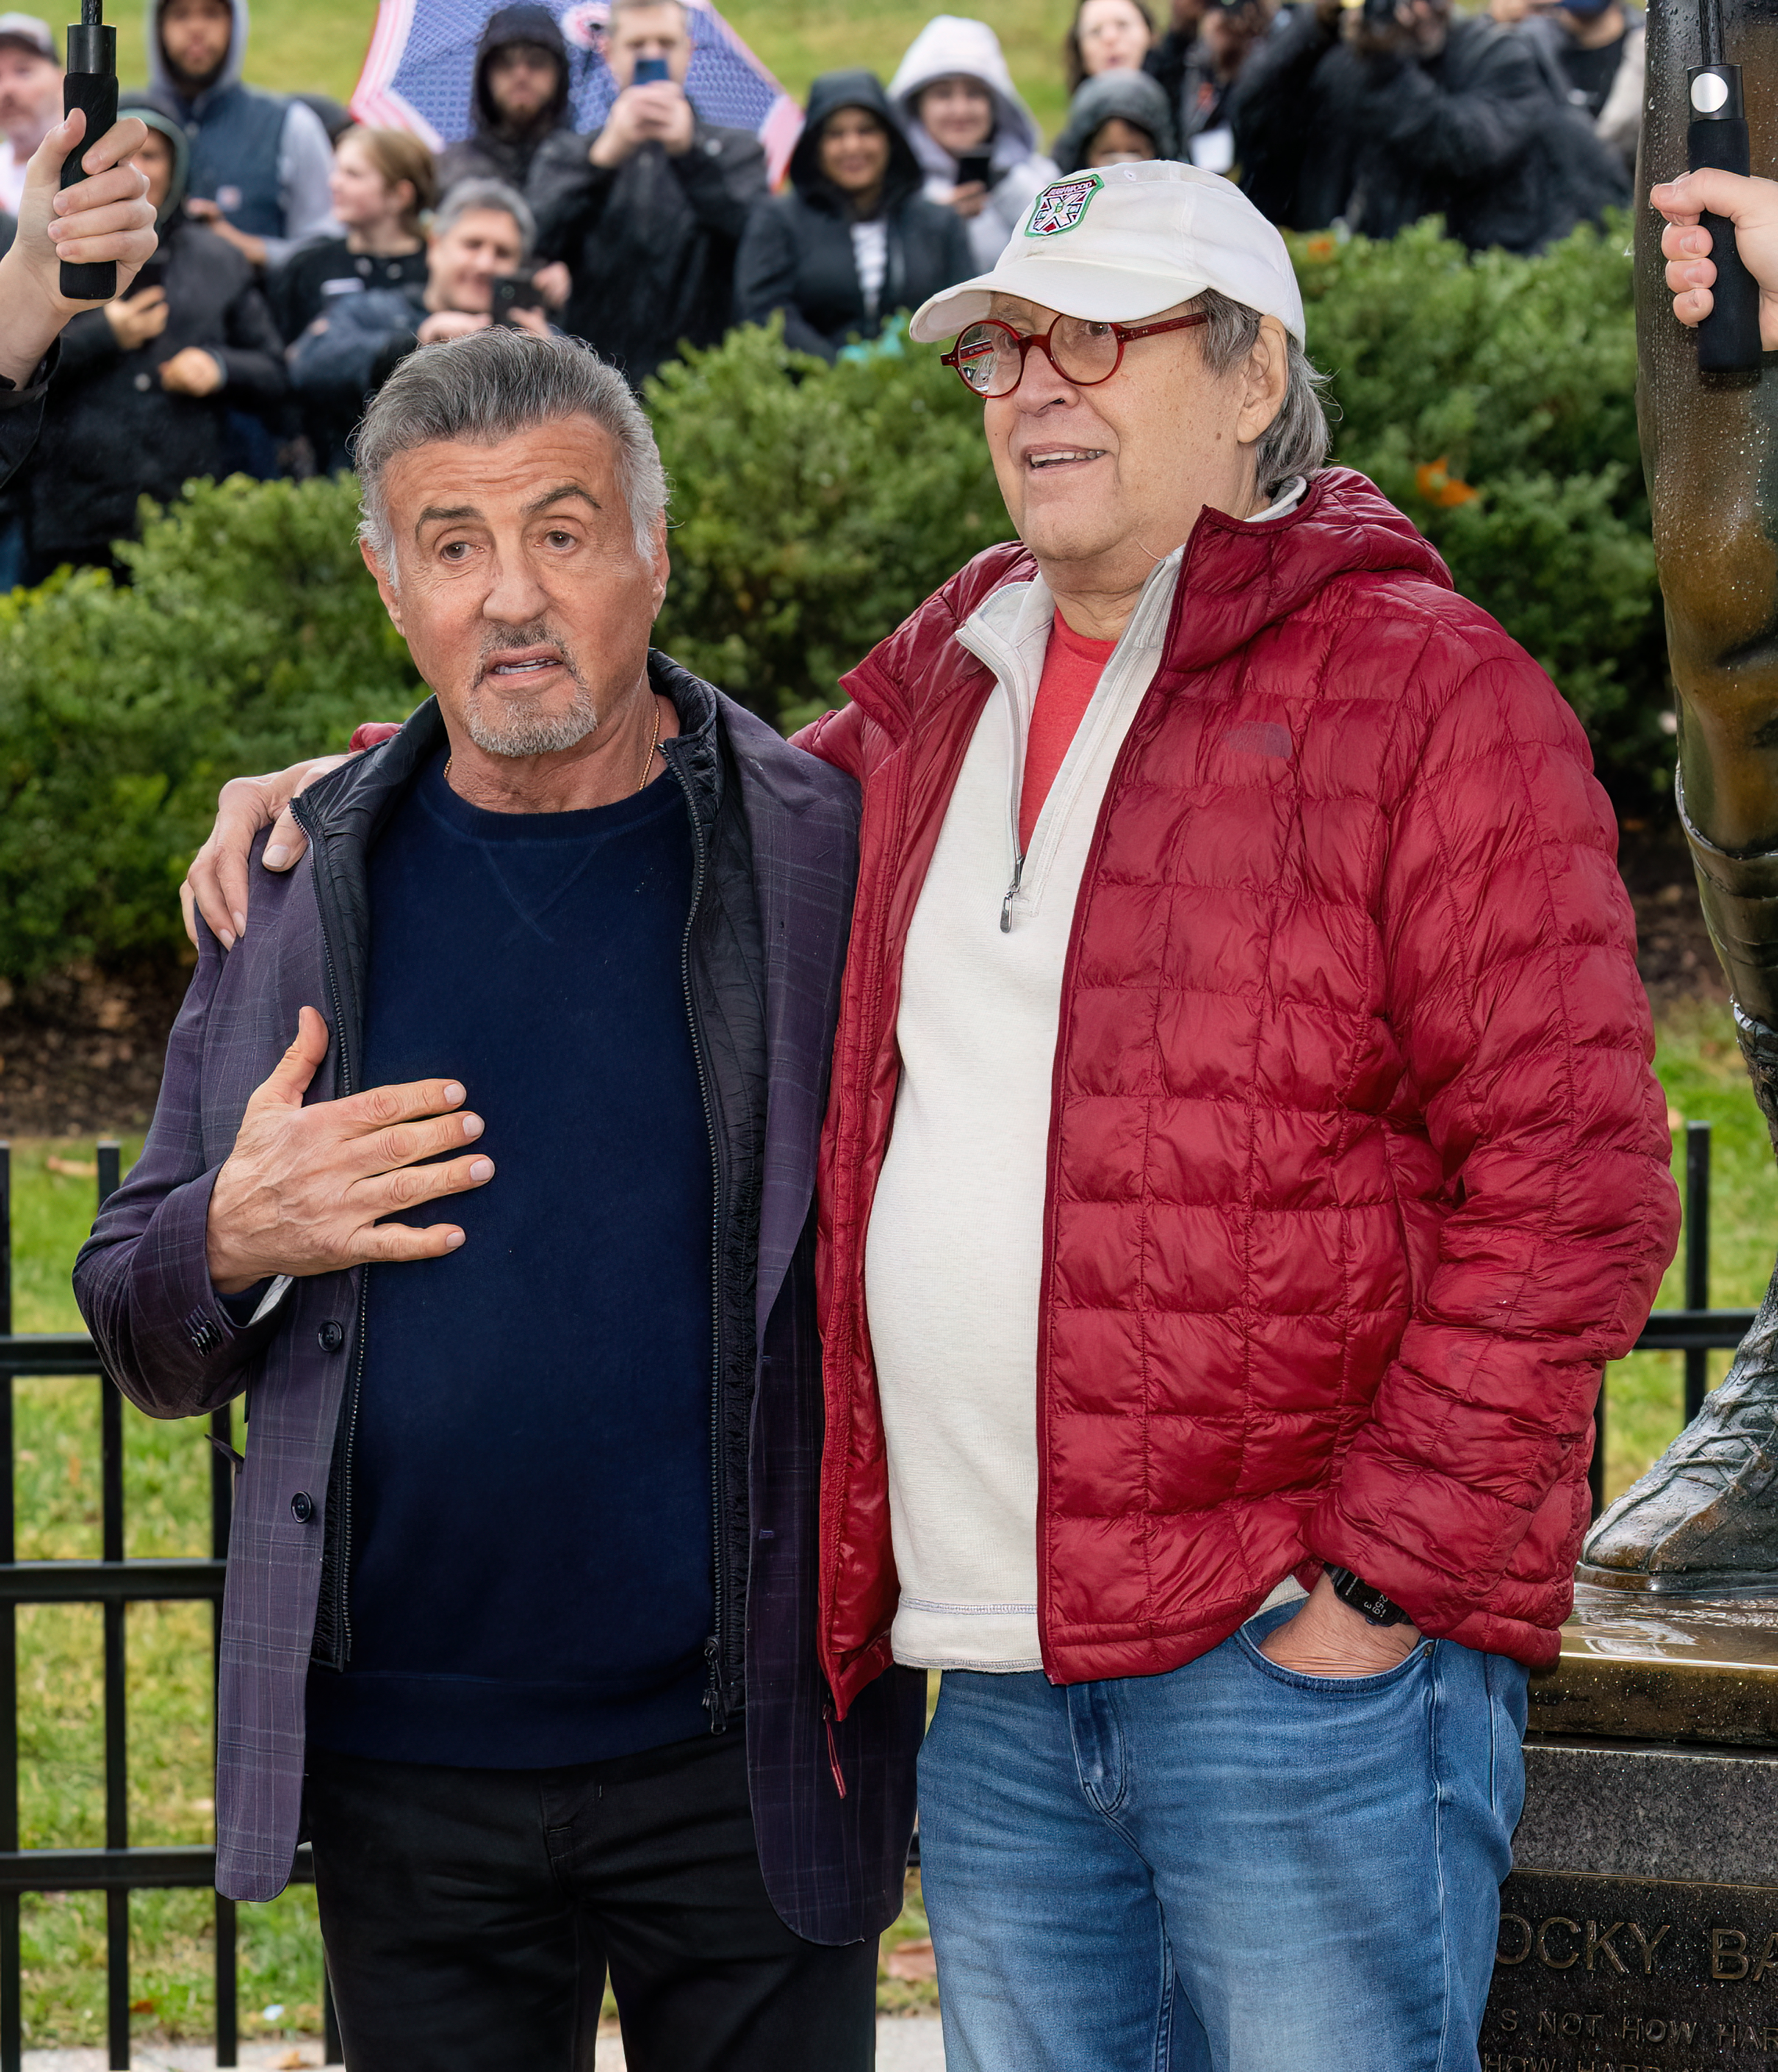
(1371, 1606)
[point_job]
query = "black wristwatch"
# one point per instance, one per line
(1375, 1608)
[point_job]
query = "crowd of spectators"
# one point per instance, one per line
(304, 256)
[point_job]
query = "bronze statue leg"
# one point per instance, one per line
(1704, 1519)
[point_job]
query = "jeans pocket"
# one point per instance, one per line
(1411, 1666)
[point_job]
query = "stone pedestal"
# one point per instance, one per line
(1639, 1927)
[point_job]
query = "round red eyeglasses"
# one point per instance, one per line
(989, 356)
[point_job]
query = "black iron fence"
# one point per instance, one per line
(114, 1582)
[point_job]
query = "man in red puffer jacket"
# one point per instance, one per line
(1242, 1043)
(1241, 1159)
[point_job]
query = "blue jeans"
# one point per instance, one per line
(1232, 1866)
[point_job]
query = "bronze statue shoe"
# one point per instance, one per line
(1703, 1521)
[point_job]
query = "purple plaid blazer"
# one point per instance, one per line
(833, 1863)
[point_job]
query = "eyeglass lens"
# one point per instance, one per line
(991, 357)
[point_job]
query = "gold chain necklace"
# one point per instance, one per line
(648, 760)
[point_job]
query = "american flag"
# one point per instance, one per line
(419, 70)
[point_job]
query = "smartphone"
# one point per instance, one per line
(648, 71)
(514, 291)
(974, 166)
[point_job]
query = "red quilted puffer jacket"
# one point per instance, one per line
(1358, 1173)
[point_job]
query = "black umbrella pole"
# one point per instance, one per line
(1728, 339)
(91, 84)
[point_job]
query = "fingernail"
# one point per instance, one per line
(240, 920)
(453, 1093)
(227, 940)
(481, 1168)
(276, 857)
(454, 1241)
(472, 1125)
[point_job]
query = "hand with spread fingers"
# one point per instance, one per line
(1751, 206)
(304, 1189)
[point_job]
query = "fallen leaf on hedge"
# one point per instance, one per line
(142, 2006)
(913, 1963)
(74, 1169)
(1438, 485)
(1319, 248)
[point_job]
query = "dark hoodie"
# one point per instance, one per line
(798, 257)
(112, 434)
(1114, 96)
(650, 244)
(491, 150)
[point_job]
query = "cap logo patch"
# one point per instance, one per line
(1060, 207)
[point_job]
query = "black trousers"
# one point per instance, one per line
(470, 1917)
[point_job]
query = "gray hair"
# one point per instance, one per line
(1296, 441)
(466, 196)
(488, 385)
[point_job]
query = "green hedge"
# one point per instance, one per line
(813, 508)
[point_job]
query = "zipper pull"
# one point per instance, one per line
(1012, 890)
(833, 1747)
(713, 1696)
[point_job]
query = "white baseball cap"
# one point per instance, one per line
(1127, 242)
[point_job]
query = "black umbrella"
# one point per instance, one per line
(1728, 339)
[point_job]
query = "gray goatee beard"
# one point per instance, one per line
(512, 727)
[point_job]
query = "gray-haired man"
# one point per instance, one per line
(525, 1550)
(483, 230)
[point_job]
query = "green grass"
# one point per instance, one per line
(166, 1508)
(319, 46)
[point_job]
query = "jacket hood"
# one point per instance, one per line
(832, 91)
(526, 24)
(161, 82)
(174, 131)
(950, 46)
(1236, 580)
(1129, 96)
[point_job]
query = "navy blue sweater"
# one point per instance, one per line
(530, 1468)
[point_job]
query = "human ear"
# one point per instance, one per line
(385, 586)
(1266, 376)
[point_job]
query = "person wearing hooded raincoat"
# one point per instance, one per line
(497, 147)
(800, 255)
(952, 46)
(1130, 97)
(114, 429)
(262, 159)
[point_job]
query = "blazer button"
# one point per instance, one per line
(302, 1506)
(330, 1336)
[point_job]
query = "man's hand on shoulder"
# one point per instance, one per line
(216, 885)
(303, 1189)
(1326, 1638)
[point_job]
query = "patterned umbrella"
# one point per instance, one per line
(419, 71)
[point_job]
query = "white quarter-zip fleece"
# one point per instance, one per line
(954, 1256)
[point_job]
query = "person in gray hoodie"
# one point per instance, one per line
(259, 163)
(955, 98)
(1114, 117)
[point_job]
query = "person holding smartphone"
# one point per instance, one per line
(141, 401)
(975, 140)
(648, 212)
